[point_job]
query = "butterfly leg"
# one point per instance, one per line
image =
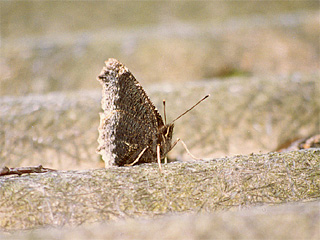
(137, 159)
(158, 157)
(185, 147)
(174, 144)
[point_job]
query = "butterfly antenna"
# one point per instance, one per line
(191, 107)
(164, 111)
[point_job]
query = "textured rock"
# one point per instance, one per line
(71, 198)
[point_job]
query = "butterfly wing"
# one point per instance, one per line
(130, 121)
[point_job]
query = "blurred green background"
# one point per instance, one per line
(61, 46)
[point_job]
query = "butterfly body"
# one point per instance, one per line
(130, 124)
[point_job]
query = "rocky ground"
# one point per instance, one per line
(74, 198)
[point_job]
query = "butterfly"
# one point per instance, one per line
(131, 129)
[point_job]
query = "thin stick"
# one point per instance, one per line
(158, 157)
(137, 159)
(23, 170)
(191, 108)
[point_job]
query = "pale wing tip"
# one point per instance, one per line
(112, 64)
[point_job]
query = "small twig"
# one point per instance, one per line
(21, 170)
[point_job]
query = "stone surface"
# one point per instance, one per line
(72, 198)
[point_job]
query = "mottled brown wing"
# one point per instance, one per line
(130, 121)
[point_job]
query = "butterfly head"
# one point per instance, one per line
(168, 131)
